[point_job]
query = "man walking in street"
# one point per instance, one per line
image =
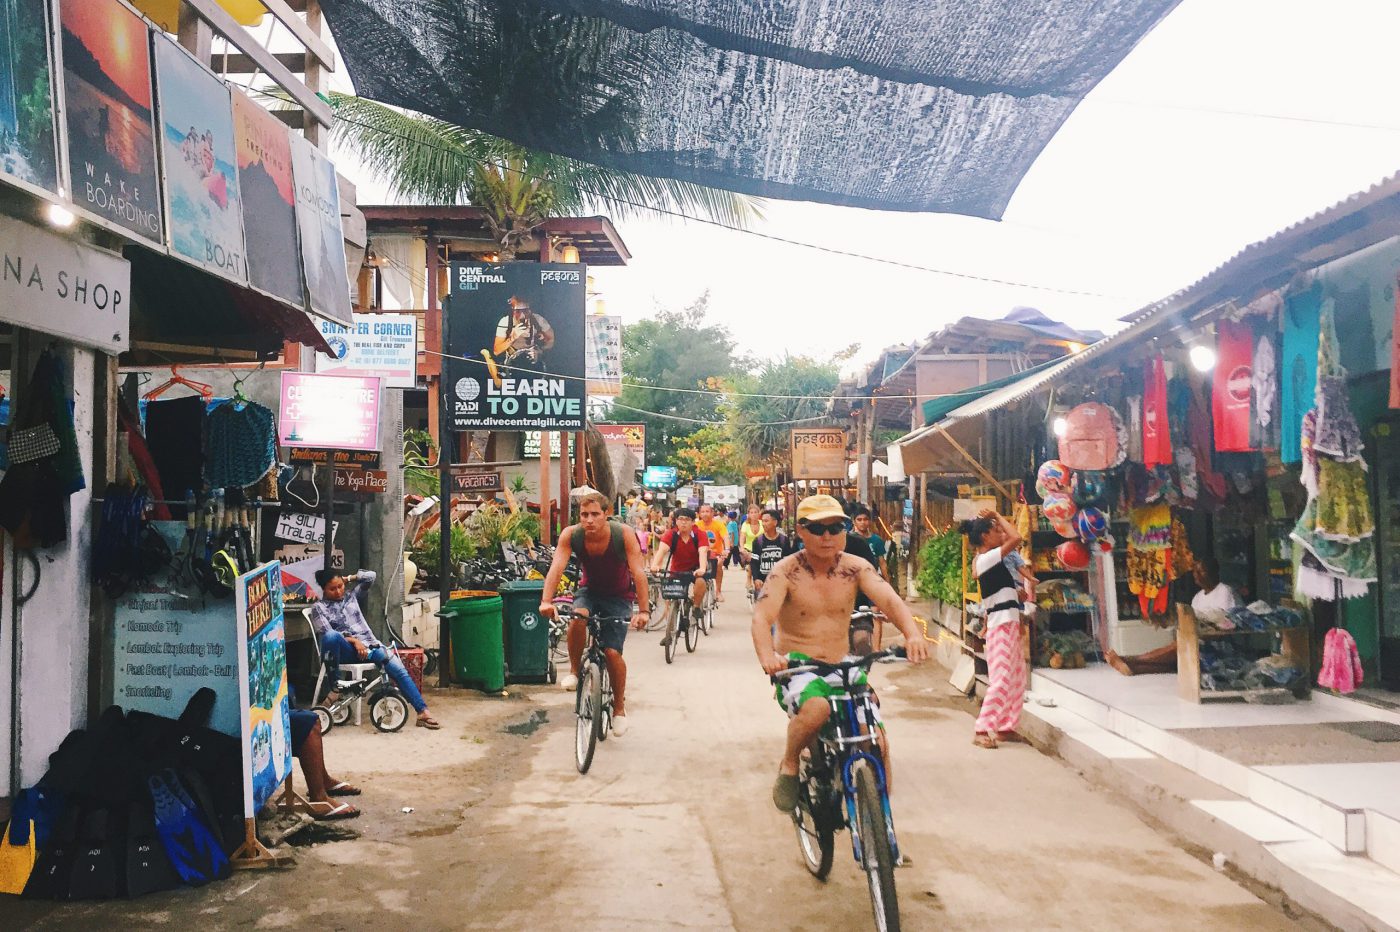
(614, 576)
(808, 597)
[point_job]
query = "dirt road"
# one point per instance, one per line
(673, 827)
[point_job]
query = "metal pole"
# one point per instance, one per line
(328, 554)
(447, 446)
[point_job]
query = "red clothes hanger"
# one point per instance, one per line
(205, 391)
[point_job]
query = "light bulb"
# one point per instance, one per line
(1060, 425)
(1202, 358)
(569, 255)
(60, 216)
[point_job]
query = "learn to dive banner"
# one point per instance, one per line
(516, 342)
(107, 108)
(262, 663)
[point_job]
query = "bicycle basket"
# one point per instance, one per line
(674, 587)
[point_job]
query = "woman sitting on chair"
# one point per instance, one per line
(346, 637)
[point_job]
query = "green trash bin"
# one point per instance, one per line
(478, 654)
(527, 633)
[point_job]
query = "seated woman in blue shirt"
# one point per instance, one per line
(346, 637)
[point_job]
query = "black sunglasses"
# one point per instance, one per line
(840, 527)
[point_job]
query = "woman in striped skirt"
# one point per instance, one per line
(994, 538)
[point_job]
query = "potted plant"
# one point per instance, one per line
(427, 557)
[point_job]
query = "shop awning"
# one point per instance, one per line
(937, 105)
(936, 408)
(179, 312)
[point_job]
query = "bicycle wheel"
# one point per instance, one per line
(323, 718)
(605, 705)
(877, 858)
(692, 635)
(587, 706)
(673, 615)
(816, 833)
(340, 712)
(388, 710)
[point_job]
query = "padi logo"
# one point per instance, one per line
(561, 276)
(467, 389)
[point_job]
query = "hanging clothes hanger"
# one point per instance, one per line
(176, 379)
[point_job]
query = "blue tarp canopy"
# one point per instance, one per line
(929, 105)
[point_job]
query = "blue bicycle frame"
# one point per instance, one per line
(845, 723)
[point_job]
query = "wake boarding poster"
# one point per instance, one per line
(262, 683)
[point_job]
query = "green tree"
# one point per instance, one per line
(675, 350)
(750, 417)
(431, 161)
(711, 453)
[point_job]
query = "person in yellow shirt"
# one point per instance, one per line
(718, 533)
(749, 530)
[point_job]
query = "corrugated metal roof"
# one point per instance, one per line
(1361, 220)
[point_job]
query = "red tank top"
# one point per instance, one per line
(606, 573)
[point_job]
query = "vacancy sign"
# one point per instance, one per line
(329, 412)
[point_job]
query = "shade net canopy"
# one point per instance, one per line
(927, 105)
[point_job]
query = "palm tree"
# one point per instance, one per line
(431, 161)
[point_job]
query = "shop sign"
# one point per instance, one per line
(603, 361)
(516, 344)
(167, 646)
(723, 494)
(385, 345)
(818, 453)
(265, 181)
(203, 209)
(318, 223)
(756, 474)
(361, 480)
(660, 477)
(632, 436)
(344, 459)
(301, 527)
(108, 117)
(334, 412)
(476, 482)
(63, 287)
(28, 157)
(262, 683)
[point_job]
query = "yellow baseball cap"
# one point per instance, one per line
(819, 508)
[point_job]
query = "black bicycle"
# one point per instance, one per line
(675, 592)
(593, 701)
(843, 786)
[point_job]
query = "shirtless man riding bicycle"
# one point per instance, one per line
(808, 596)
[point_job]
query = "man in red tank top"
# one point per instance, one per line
(614, 576)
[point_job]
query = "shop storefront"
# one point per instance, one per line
(1180, 442)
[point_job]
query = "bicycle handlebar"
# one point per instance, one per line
(824, 669)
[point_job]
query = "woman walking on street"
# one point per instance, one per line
(994, 538)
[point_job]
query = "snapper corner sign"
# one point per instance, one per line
(64, 288)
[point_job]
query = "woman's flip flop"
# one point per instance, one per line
(332, 812)
(343, 789)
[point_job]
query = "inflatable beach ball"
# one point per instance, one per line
(1073, 555)
(1053, 476)
(1088, 488)
(1091, 524)
(1058, 507)
(1066, 529)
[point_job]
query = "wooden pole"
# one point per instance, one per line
(546, 530)
(565, 475)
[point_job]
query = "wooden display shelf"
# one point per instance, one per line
(1294, 645)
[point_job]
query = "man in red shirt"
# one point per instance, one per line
(688, 550)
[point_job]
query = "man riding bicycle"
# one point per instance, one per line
(718, 532)
(808, 597)
(684, 550)
(765, 549)
(613, 576)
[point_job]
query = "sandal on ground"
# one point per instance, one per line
(985, 741)
(1011, 737)
(427, 721)
(332, 812)
(785, 792)
(343, 789)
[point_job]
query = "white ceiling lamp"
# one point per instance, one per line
(569, 254)
(1202, 357)
(1059, 426)
(60, 216)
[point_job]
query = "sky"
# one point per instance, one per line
(1230, 121)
